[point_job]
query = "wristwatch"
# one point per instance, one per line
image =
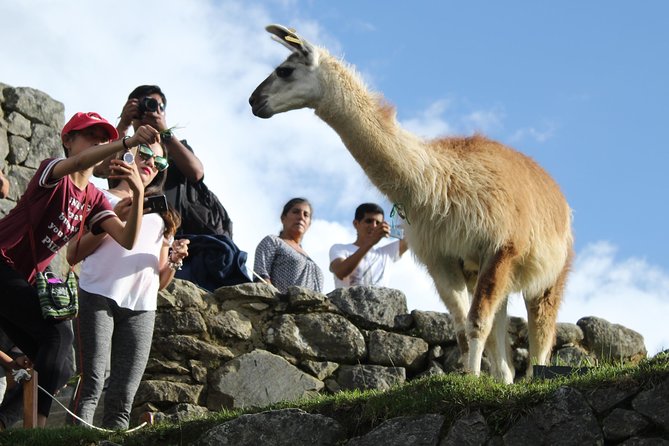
(128, 157)
(166, 136)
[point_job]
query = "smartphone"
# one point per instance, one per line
(155, 203)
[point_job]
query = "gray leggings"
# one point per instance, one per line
(105, 327)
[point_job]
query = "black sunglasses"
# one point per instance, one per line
(146, 154)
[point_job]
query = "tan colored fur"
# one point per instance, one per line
(476, 209)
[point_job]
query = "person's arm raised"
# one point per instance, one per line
(342, 268)
(95, 154)
(126, 234)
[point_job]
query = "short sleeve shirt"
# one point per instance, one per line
(52, 210)
(372, 269)
(284, 266)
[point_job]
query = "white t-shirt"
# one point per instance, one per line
(129, 277)
(372, 269)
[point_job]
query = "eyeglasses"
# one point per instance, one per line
(146, 154)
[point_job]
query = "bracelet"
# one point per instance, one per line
(176, 266)
(123, 140)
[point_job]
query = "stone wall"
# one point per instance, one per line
(30, 124)
(250, 346)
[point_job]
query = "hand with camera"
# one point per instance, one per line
(378, 233)
(144, 110)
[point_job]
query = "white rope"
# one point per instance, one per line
(85, 422)
(261, 279)
(23, 375)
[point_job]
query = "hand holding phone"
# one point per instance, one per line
(155, 203)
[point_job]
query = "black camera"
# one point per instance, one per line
(148, 104)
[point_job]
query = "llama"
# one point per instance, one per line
(484, 219)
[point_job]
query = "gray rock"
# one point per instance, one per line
(231, 324)
(182, 294)
(180, 322)
(185, 347)
(152, 391)
(4, 142)
(565, 419)
(432, 369)
(434, 327)
(517, 329)
(573, 356)
(181, 412)
(611, 342)
(18, 125)
(470, 430)
(248, 291)
(654, 404)
(258, 379)
(370, 307)
(651, 441)
(397, 350)
(604, 399)
(367, 377)
(18, 177)
(621, 424)
(155, 365)
(35, 105)
(568, 335)
(402, 431)
(288, 427)
(44, 143)
(19, 148)
(319, 369)
(302, 298)
(317, 336)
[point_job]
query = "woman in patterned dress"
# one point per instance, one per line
(280, 260)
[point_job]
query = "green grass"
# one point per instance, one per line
(451, 395)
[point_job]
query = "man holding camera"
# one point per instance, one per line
(360, 262)
(200, 210)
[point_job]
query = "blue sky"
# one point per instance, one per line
(579, 86)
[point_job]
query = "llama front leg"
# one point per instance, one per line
(452, 288)
(491, 291)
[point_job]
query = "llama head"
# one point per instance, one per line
(293, 84)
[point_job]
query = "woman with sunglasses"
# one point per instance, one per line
(118, 294)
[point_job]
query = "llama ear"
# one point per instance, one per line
(288, 37)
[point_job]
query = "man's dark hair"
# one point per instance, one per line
(367, 208)
(146, 90)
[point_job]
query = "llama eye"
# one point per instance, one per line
(284, 71)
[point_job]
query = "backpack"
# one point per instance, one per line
(201, 211)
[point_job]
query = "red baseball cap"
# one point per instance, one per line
(81, 121)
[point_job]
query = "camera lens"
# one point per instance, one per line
(148, 104)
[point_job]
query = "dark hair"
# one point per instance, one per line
(171, 216)
(292, 202)
(367, 208)
(146, 90)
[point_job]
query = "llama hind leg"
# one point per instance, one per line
(491, 291)
(542, 313)
(498, 347)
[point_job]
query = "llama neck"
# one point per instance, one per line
(393, 159)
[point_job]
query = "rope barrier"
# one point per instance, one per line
(23, 375)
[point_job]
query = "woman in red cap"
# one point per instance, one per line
(57, 199)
